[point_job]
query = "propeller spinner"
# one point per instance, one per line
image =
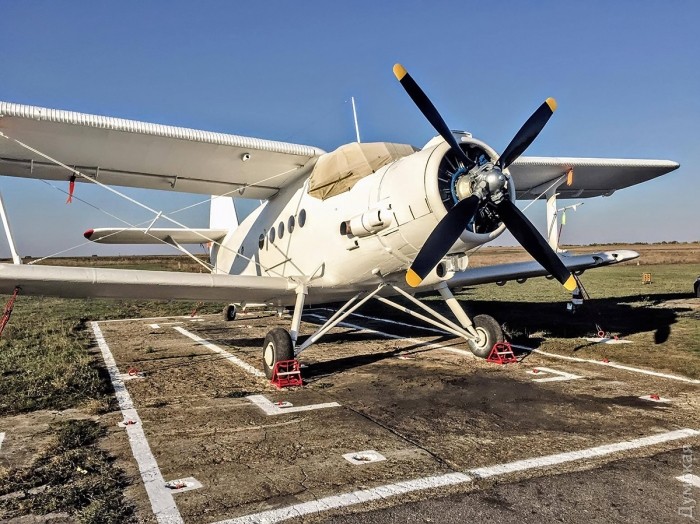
(488, 187)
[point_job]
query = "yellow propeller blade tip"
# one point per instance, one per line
(399, 72)
(570, 283)
(552, 104)
(412, 278)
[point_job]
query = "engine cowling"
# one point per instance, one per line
(446, 184)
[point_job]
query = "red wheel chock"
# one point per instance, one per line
(287, 373)
(501, 353)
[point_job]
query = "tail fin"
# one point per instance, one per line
(222, 213)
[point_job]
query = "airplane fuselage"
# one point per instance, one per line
(354, 239)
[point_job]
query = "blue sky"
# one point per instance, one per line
(625, 75)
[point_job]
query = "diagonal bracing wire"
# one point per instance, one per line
(144, 206)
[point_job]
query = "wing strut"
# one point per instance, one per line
(8, 233)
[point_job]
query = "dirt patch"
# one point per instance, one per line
(432, 413)
(70, 476)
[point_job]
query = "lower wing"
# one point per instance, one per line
(82, 282)
(523, 270)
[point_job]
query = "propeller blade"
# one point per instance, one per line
(525, 136)
(533, 242)
(441, 239)
(429, 111)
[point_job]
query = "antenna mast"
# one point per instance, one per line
(354, 114)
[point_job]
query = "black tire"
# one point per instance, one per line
(490, 333)
(697, 288)
(277, 347)
(230, 312)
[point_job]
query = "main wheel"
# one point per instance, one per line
(277, 347)
(489, 331)
(230, 313)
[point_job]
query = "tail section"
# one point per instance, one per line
(222, 213)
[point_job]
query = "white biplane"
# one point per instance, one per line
(368, 220)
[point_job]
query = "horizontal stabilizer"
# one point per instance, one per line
(154, 236)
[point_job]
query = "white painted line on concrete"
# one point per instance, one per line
(572, 456)
(143, 319)
(2, 438)
(350, 499)
(618, 366)
(162, 501)
(154, 326)
(690, 479)
(216, 349)
(317, 506)
(270, 408)
(431, 345)
(559, 375)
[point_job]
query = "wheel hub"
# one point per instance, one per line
(269, 354)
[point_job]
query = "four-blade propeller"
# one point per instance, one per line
(488, 189)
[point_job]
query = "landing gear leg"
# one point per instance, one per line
(487, 330)
(279, 343)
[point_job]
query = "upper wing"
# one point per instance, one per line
(524, 270)
(152, 156)
(591, 176)
(82, 282)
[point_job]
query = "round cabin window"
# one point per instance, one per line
(290, 224)
(261, 241)
(272, 234)
(302, 217)
(280, 230)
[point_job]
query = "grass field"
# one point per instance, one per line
(48, 363)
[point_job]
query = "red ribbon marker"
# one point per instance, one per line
(71, 188)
